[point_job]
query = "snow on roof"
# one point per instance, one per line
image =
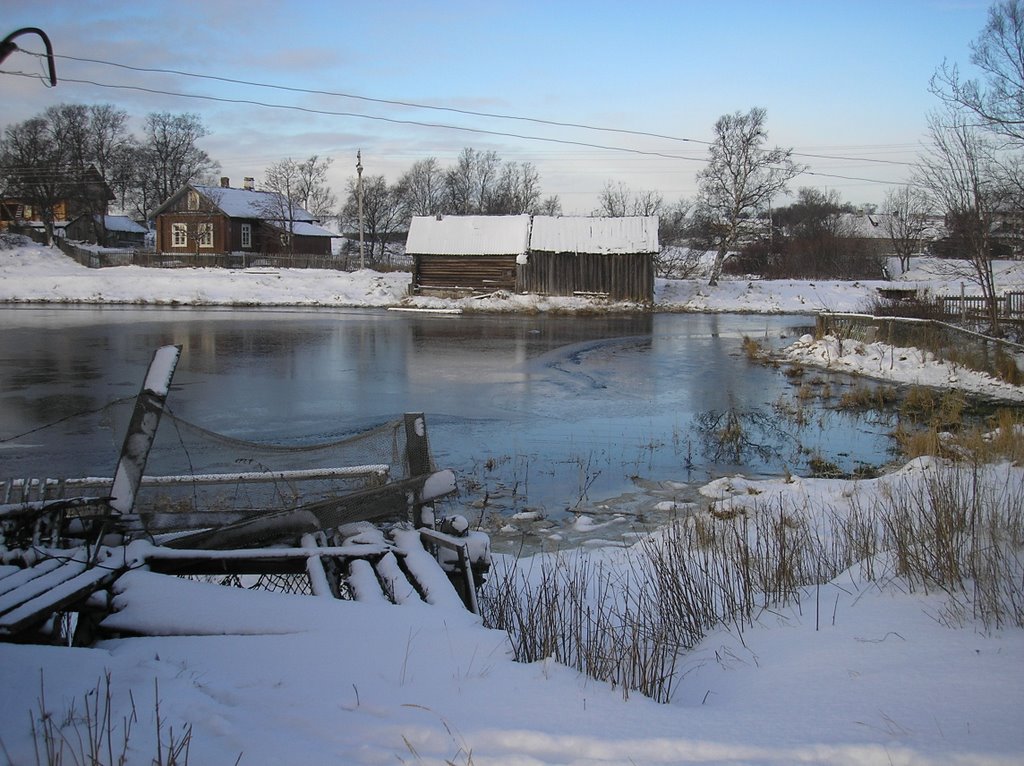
(469, 235)
(247, 203)
(303, 228)
(576, 234)
(123, 223)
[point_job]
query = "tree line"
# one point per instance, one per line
(970, 175)
(70, 151)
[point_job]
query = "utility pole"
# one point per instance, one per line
(359, 194)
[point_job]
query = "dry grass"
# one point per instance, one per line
(961, 533)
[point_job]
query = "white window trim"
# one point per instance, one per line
(193, 200)
(179, 235)
(205, 235)
(246, 235)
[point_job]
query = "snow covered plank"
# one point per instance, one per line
(67, 592)
(318, 582)
(36, 585)
(395, 583)
(424, 569)
(17, 578)
(363, 583)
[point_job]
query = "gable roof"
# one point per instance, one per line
(249, 203)
(603, 236)
(241, 203)
(468, 235)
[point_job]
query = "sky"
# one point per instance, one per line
(845, 84)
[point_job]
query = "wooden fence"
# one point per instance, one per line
(1008, 306)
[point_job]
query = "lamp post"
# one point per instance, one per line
(359, 194)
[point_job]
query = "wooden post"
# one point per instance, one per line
(149, 406)
(417, 455)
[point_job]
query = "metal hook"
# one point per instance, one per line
(7, 47)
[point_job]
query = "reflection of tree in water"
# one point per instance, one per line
(737, 435)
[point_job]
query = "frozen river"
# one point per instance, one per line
(571, 422)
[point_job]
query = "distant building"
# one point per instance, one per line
(547, 255)
(219, 221)
(115, 231)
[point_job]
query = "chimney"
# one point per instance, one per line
(249, 184)
(225, 182)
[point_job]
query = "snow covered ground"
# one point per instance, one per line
(859, 672)
(34, 273)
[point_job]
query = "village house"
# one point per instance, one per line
(546, 255)
(91, 194)
(221, 225)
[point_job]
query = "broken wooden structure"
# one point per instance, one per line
(61, 558)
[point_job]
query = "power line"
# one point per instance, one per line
(449, 109)
(419, 123)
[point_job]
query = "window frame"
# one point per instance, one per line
(179, 235)
(204, 234)
(246, 235)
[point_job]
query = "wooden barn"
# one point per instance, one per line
(547, 255)
(576, 255)
(466, 253)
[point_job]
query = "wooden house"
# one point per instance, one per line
(91, 194)
(114, 231)
(547, 255)
(220, 221)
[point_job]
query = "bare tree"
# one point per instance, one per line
(961, 177)
(312, 191)
(98, 148)
(739, 181)
(34, 163)
(280, 206)
(618, 201)
(471, 185)
(906, 216)
(551, 205)
(518, 190)
(421, 188)
(997, 99)
(168, 158)
(383, 214)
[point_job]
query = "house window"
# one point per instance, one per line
(205, 235)
(179, 235)
(193, 200)
(247, 235)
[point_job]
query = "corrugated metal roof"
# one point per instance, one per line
(605, 236)
(469, 235)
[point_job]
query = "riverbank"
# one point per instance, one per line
(36, 274)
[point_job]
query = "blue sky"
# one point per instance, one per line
(845, 79)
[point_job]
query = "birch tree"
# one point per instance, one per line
(739, 181)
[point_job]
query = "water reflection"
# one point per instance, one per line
(548, 416)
